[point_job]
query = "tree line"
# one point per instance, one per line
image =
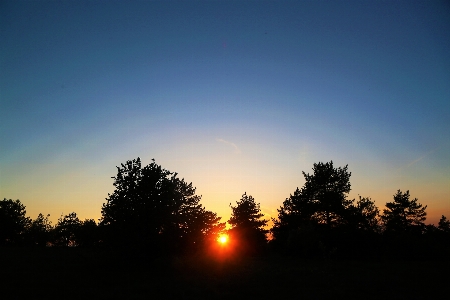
(152, 209)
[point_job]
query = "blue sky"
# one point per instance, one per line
(234, 96)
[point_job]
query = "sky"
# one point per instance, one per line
(234, 96)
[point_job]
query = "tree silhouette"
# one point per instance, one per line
(365, 215)
(404, 215)
(200, 228)
(313, 219)
(87, 234)
(294, 215)
(13, 221)
(321, 201)
(66, 230)
(151, 207)
(444, 224)
(405, 234)
(247, 225)
(39, 231)
(327, 191)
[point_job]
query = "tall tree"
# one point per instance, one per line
(327, 189)
(247, 224)
(151, 206)
(321, 200)
(308, 221)
(295, 213)
(13, 221)
(404, 214)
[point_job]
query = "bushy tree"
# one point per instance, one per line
(13, 221)
(444, 224)
(319, 219)
(247, 224)
(39, 231)
(66, 230)
(404, 215)
(295, 213)
(87, 234)
(327, 189)
(321, 201)
(152, 207)
(365, 215)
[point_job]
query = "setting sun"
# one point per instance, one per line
(222, 239)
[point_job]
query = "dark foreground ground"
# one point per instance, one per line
(96, 274)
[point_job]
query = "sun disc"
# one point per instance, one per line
(223, 239)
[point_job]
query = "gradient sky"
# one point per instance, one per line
(234, 96)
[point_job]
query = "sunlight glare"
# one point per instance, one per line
(223, 239)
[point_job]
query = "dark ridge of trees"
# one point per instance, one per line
(70, 231)
(248, 226)
(319, 221)
(153, 211)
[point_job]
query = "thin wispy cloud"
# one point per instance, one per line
(418, 159)
(236, 149)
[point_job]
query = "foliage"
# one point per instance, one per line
(444, 224)
(365, 215)
(404, 215)
(152, 209)
(151, 206)
(326, 191)
(247, 214)
(39, 230)
(203, 227)
(13, 221)
(247, 225)
(322, 201)
(293, 216)
(66, 230)
(87, 234)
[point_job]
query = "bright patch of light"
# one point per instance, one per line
(223, 239)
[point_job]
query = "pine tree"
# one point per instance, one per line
(248, 225)
(404, 215)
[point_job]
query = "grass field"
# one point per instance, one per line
(70, 273)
